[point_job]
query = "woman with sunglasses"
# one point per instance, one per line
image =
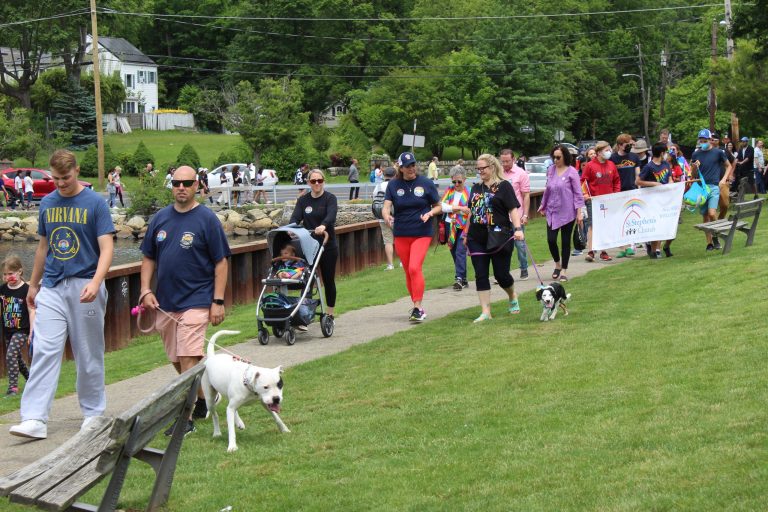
(316, 211)
(416, 201)
(561, 205)
(493, 208)
(455, 208)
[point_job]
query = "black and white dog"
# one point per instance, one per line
(552, 296)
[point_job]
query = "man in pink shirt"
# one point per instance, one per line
(521, 184)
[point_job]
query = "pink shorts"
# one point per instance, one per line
(185, 338)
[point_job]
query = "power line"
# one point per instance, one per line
(431, 40)
(79, 12)
(424, 18)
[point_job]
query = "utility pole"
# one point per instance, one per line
(97, 93)
(712, 103)
(645, 96)
(729, 56)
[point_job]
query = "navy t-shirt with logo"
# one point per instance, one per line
(626, 164)
(711, 163)
(72, 227)
(186, 248)
(412, 199)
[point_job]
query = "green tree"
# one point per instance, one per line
(348, 141)
(392, 140)
(205, 104)
(112, 91)
(747, 67)
(268, 118)
(188, 156)
(686, 111)
(89, 165)
(141, 157)
(75, 113)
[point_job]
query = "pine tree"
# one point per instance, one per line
(75, 113)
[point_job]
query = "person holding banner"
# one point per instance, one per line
(657, 172)
(600, 176)
(494, 222)
(561, 205)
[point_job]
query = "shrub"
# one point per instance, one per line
(141, 157)
(188, 156)
(286, 160)
(392, 139)
(149, 195)
(89, 165)
(349, 142)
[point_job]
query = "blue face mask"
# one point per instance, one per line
(704, 145)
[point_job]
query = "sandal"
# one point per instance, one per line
(563, 278)
(482, 318)
(514, 306)
(556, 274)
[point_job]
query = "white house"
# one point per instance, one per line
(330, 116)
(139, 72)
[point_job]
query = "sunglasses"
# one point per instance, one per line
(316, 181)
(557, 158)
(186, 183)
(483, 168)
(457, 182)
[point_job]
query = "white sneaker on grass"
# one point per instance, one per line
(33, 429)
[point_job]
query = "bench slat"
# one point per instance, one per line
(59, 474)
(66, 493)
(156, 411)
(96, 428)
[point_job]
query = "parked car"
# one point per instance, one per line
(42, 182)
(537, 159)
(537, 173)
(214, 177)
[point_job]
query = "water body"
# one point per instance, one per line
(126, 251)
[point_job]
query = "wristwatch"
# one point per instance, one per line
(220, 302)
(517, 229)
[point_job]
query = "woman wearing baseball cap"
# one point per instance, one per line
(416, 201)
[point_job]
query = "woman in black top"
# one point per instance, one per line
(316, 211)
(493, 207)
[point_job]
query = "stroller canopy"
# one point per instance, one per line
(293, 233)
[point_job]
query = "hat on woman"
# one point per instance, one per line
(640, 147)
(406, 159)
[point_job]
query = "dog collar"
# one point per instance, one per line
(247, 382)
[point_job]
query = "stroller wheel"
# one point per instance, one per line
(278, 332)
(263, 336)
(326, 326)
(290, 336)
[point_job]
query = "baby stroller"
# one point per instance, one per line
(278, 308)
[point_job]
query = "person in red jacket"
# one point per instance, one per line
(599, 177)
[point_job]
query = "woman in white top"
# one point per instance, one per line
(29, 188)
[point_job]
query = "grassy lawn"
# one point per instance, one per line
(649, 396)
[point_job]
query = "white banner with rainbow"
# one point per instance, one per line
(636, 216)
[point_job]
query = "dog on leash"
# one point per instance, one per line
(241, 383)
(552, 296)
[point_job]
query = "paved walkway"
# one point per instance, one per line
(378, 321)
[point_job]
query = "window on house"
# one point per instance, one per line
(141, 108)
(142, 77)
(129, 81)
(151, 77)
(129, 107)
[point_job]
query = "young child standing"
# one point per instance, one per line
(17, 320)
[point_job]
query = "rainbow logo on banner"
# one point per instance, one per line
(634, 202)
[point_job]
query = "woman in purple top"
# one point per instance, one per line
(561, 204)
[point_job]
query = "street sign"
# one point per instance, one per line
(559, 135)
(526, 129)
(408, 140)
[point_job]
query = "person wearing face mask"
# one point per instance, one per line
(599, 177)
(628, 164)
(657, 172)
(706, 163)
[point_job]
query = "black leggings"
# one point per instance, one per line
(482, 263)
(565, 236)
(328, 273)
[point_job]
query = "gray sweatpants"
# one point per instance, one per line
(60, 314)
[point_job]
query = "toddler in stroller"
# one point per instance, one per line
(289, 266)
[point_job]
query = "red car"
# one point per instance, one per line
(43, 183)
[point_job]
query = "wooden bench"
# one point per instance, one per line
(106, 446)
(727, 227)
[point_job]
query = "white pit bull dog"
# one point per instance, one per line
(241, 383)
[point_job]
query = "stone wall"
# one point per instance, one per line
(252, 222)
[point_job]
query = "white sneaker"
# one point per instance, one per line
(87, 421)
(34, 429)
(390, 267)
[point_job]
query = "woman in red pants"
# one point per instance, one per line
(415, 201)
